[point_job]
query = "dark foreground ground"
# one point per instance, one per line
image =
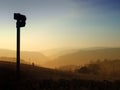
(38, 78)
(61, 84)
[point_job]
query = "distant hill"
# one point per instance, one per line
(29, 57)
(11, 59)
(55, 53)
(84, 56)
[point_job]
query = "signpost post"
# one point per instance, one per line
(20, 23)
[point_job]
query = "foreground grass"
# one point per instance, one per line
(39, 78)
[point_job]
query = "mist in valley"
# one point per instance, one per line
(60, 45)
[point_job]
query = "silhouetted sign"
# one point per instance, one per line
(20, 23)
(20, 19)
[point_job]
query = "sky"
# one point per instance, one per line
(61, 24)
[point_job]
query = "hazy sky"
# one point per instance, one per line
(61, 23)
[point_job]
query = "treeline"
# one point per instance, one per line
(99, 67)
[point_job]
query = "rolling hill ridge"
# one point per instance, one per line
(85, 56)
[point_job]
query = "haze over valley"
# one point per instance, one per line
(60, 45)
(63, 57)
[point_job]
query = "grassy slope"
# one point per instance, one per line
(7, 71)
(39, 78)
(29, 72)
